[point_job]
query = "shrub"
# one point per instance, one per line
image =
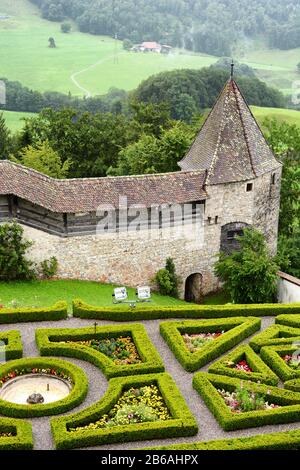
(13, 262)
(13, 344)
(58, 311)
(250, 273)
(236, 329)
(150, 312)
(288, 320)
(65, 27)
(127, 44)
(275, 335)
(49, 267)
(21, 431)
(167, 280)
(76, 396)
(272, 355)
(49, 344)
(207, 385)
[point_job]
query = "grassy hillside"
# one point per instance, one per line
(96, 63)
(14, 120)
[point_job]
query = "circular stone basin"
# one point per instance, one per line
(19, 389)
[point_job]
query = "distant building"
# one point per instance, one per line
(152, 47)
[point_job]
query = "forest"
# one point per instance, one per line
(212, 27)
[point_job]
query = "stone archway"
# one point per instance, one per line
(229, 232)
(193, 288)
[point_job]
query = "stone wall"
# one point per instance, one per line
(133, 258)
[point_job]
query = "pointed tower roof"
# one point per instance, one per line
(230, 145)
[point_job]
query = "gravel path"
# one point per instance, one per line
(208, 427)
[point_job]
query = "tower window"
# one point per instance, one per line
(216, 219)
(249, 187)
(273, 179)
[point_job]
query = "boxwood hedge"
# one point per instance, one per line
(288, 320)
(59, 311)
(236, 329)
(272, 355)
(207, 384)
(275, 335)
(152, 312)
(76, 396)
(49, 342)
(293, 384)
(287, 440)
(181, 424)
(21, 431)
(13, 348)
(261, 372)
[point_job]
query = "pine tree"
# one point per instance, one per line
(5, 139)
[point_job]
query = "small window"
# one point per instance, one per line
(209, 220)
(249, 187)
(273, 179)
(216, 219)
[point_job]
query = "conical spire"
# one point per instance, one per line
(230, 145)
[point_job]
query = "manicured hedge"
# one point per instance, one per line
(22, 434)
(239, 329)
(287, 440)
(293, 384)
(152, 312)
(275, 335)
(13, 344)
(59, 311)
(272, 355)
(261, 372)
(48, 341)
(206, 385)
(181, 424)
(76, 396)
(288, 320)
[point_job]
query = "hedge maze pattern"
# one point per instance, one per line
(264, 353)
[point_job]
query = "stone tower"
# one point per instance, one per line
(242, 175)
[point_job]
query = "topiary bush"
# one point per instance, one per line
(21, 438)
(13, 348)
(58, 311)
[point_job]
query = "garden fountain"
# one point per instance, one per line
(34, 389)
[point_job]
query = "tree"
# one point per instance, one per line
(65, 27)
(250, 273)
(127, 44)
(44, 159)
(52, 43)
(289, 254)
(13, 262)
(5, 139)
(298, 67)
(167, 279)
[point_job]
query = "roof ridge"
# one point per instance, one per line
(235, 88)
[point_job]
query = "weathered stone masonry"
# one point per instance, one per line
(229, 170)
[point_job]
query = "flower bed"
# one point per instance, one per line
(137, 405)
(213, 389)
(293, 361)
(277, 358)
(55, 367)
(235, 330)
(243, 400)
(196, 341)
(75, 430)
(121, 350)
(77, 342)
(13, 348)
(245, 364)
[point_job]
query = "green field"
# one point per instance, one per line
(15, 120)
(46, 293)
(96, 63)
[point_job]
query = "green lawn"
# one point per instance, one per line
(290, 116)
(26, 57)
(14, 120)
(46, 293)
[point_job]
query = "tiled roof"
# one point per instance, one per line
(84, 195)
(230, 144)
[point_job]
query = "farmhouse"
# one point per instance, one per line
(152, 47)
(122, 229)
